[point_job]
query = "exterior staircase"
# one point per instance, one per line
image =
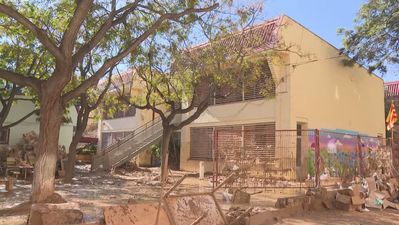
(128, 147)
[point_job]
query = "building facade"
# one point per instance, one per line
(13, 135)
(313, 89)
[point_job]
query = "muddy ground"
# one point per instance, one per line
(95, 191)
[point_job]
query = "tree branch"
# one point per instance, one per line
(20, 79)
(36, 31)
(109, 23)
(112, 61)
(7, 107)
(22, 119)
(70, 35)
(102, 95)
(201, 108)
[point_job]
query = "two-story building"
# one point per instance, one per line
(314, 89)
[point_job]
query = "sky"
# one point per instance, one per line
(323, 17)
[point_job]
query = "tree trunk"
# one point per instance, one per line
(166, 135)
(70, 167)
(81, 124)
(51, 112)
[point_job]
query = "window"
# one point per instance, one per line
(264, 85)
(4, 135)
(249, 140)
(258, 87)
(229, 141)
(202, 91)
(227, 95)
(201, 142)
(131, 111)
(260, 140)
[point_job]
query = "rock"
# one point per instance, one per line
(55, 199)
(357, 200)
(137, 214)
(345, 206)
(132, 201)
(345, 199)
(294, 202)
(55, 214)
(241, 197)
(375, 200)
(328, 197)
(95, 223)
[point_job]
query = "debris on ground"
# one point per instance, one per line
(19, 159)
(55, 214)
(138, 214)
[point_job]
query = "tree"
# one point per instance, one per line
(9, 96)
(86, 103)
(67, 33)
(180, 81)
(375, 39)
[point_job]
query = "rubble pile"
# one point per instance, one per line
(23, 154)
(372, 192)
(237, 212)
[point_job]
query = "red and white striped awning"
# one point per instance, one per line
(391, 88)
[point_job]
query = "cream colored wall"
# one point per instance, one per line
(326, 94)
(20, 109)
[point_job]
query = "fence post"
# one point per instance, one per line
(317, 158)
(215, 160)
(359, 156)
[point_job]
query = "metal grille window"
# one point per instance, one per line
(260, 141)
(258, 87)
(202, 91)
(228, 95)
(201, 142)
(264, 85)
(229, 141)
(131, 111)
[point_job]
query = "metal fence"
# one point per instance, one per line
(297, 158)
(262, 157)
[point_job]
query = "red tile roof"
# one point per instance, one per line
(391, 88)
(258, 37)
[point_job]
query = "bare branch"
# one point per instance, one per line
(36, 31)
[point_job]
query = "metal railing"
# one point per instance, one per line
(131, 136)
(130, 146)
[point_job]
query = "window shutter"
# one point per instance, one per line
(201, 142)
(264, 84)
(228, 95)
(259, 140)
(202, 91)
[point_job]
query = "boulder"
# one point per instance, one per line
(55, 214)
(241, 197)
(137, 214)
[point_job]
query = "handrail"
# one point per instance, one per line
(132, 135)
(128, 155)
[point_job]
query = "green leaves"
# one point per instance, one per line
(375, 39)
